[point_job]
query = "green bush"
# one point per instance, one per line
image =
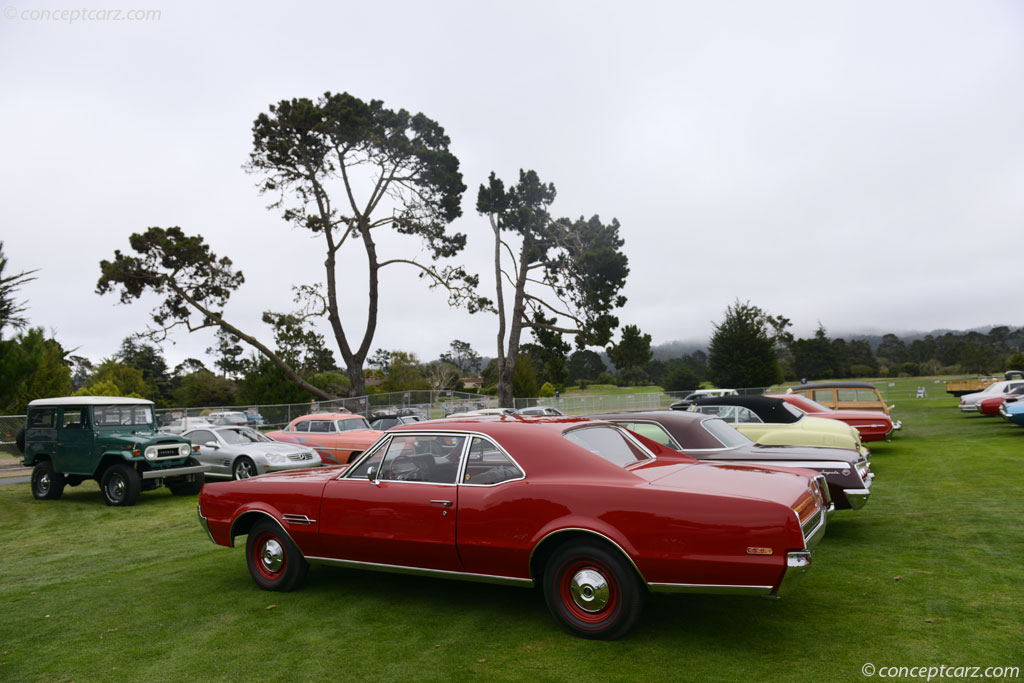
(547, 390)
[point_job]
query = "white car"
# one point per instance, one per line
(539, 410)
(969, 402)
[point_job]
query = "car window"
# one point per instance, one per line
(123, 415)
(725, 434)
(42, 418)
(302, 426)
(352, 423)
(746, 416)
(608, 443)
(242, 436)
(825, 395)
(655, 432)
(202, 437)
(432, 458)
(488, 465)
(723, 412)
(75, 418)
(844, 395)
(867, 395)
(321, 426)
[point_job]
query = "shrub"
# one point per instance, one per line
(547, 390)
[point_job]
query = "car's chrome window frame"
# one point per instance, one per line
(497, 446)
(624, 433)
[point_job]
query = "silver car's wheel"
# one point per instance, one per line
(243, 468)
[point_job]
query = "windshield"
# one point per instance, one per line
(126, 416)
(609, 443)
(728, 436)
(242, 436)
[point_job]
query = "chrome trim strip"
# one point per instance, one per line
(857, 497)
(811, 464)
(298, 519)
(797, 564)
(203, 523)
(419, 571)
(709, 588)
(589, 531)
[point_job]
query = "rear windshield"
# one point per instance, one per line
(609, 443)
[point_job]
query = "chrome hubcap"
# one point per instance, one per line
(244, 471)
(116, 487)
(43, 482)
(589, 590)
(272, 556)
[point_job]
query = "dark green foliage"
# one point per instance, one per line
(114, 378)
(680, 378)
(462, 356)
(31, 367)
(524, 379)
(228, 354)
(404, 373)
(742, 353)
(203, 388)
(150, 361)
(630, 355)
(815, 358)
(585, 364)
(910, 369)
(552, 352)
(302, 348)
(265, 383)
(10, 309)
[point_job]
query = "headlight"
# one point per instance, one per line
(151, 453)
(184, 449)
(277, 459)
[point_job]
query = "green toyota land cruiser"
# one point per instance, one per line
(112, 440)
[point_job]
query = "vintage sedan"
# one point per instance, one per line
(844, 395)
(337, 437)
(706, 437)
(969, 402)
(594, 514)
(991, 405)
(872, 425)
(1013, 411)
(241, 452)
(773, 422)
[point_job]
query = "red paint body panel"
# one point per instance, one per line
(872, 425)
(990, 406)
(678, 520)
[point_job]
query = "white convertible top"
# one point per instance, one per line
(89, 401)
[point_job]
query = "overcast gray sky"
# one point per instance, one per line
(858, 164)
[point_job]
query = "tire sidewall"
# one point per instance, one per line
(239, 461)
(626, 591)
(291, 573)
(44, 468)
(132, 485)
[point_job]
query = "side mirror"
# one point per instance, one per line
(211, 444)
(371, 473)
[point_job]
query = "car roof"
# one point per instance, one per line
(838, 385)
(90, 401)
(767, 408)
(327, 416)
(684, 426)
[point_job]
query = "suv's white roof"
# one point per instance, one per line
(89, 401)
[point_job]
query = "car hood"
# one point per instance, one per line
(854, 414)
(730, 479)
(140, 437)
(319, 475)
(265, 448)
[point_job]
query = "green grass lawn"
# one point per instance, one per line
(930, 572)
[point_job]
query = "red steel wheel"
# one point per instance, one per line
(592, 590)
(275, 563)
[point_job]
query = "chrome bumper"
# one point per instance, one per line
(857, 497)
(968, 407)
(797, 564)
(176, 471)
(202, 523)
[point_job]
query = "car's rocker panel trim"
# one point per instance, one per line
(709, 588)
(419, 571)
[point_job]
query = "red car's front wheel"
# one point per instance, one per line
(275, 562)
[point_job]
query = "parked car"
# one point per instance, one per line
(110, 439)
(383, 421)
(183, 424)
(595, 515)
(539, 410)
(990, 406)
(482, 412)
(241, 452)
(687, 401)
(871, 424)
(705, 437)
(773, 422)
(337, 437)
(969, 402)
(1013, 411)
(844, 395)
(228, 417)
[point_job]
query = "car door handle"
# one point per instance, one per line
(442, 503)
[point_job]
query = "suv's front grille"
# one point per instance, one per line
(167, 452)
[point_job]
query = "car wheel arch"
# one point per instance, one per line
(552, 541)
(244, 523)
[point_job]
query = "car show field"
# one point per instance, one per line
(927, 574)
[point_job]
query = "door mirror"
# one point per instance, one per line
(211, 444)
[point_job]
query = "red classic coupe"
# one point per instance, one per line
(990, 406)
(595, 514)
(873, 425)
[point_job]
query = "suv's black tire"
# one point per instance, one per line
(19, 438)
(181, 486)
(592, 591)
(121, 485)
(46, 484)
(275, 563)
